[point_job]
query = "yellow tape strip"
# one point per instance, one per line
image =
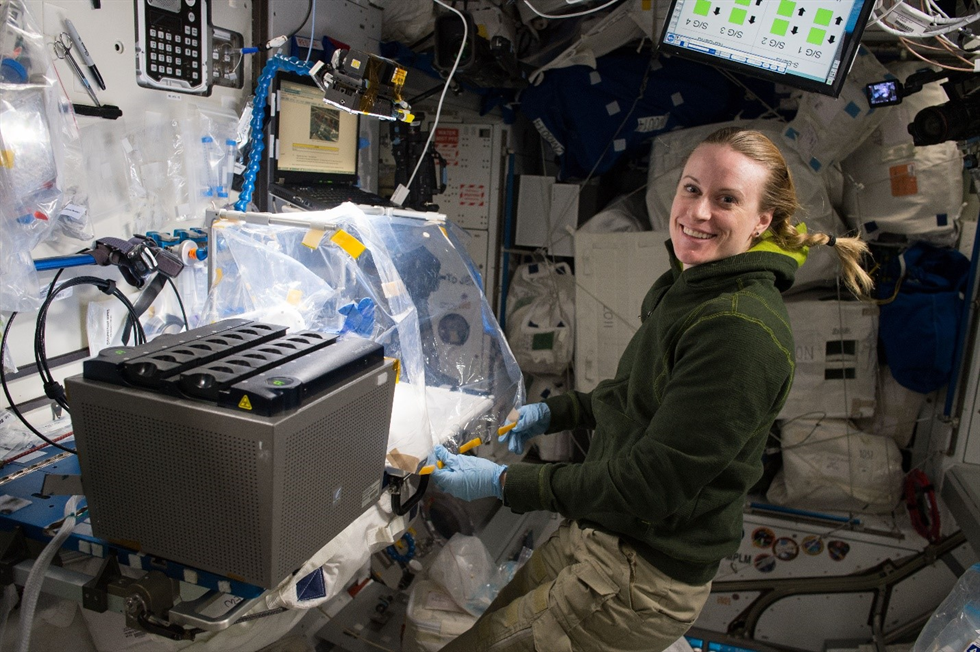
(348, 243)
(6, 158)
(396, 366)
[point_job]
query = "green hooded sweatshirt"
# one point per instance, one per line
(680, 430)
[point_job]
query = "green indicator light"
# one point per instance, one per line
(823, 17)
(120, 351)
(786, 8)
(737, 17)
(780, 27)
(702, 7)
(816, 36)
(278, 383)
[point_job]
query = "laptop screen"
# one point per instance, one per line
(315, 142)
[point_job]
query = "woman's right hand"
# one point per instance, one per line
(532, 421)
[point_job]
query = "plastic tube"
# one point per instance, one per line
(227, 169)
(209, 181)
(7, 604)
(32, 589)
(257, 144)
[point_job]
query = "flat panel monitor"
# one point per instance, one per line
(806, 44)
(315, 142)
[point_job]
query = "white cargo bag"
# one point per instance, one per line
(892, 186)
(836, 358)
(828, 464)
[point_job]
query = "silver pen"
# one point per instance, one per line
(83, 53)
(81, 77)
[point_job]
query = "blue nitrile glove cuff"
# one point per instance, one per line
(468, 477)
(533, 420)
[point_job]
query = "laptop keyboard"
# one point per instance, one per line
(338, 194)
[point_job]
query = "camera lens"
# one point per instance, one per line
(954, 120)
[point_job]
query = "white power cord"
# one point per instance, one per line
(574, 15)
(32, 589)
(401, 192)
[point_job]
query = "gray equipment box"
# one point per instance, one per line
(227, 490)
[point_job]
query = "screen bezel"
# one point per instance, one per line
(802, 83)
(295, 177)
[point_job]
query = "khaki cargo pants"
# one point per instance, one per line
(585, 590)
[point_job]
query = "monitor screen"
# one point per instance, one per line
(806, 44)
(312, 136)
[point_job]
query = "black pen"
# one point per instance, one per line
(83, 51)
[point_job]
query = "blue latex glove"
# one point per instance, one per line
(468, 477)
(532, 421)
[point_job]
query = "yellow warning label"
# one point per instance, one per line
(348, 243)
(245, 404)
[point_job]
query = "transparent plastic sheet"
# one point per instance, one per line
(955, 625)
(464, 569)
(41, 176)
(218, 149)
(412, 289)
(165, 166)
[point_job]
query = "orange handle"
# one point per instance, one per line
(503, 430)
(470, 445)
(428, 469)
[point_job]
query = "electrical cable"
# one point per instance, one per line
(3, 377)
(309, 50)
(180, 303)
(442, 98)
(53, 389)
(309, 8)
(575, 15)
(10, 399)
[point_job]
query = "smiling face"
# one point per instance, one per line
(716, 211)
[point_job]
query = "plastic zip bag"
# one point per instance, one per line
(41, 175)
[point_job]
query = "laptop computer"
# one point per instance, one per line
(313, 148)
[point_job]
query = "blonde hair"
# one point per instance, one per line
(779, 196)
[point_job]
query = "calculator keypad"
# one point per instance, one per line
(174, 45)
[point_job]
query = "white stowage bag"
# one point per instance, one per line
(830, 465)
(836, 346)
(892, 186)
(541, 317)
(670, 151)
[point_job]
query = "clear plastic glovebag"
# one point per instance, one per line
(955, 625)
(41, 176)
(400, 279)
